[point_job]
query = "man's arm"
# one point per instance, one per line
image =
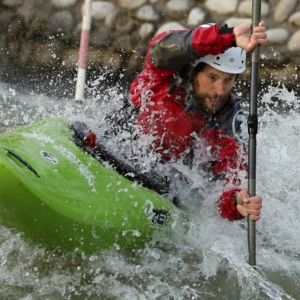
(174, 49)
(227, 157)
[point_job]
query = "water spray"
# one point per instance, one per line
(215, 101)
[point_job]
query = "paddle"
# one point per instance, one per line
(252, 130)
(83, 51)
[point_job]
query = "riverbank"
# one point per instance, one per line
(43, 36)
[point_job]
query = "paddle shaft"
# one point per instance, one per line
(252, 130)
(83, 51)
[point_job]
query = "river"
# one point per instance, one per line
(210, 261)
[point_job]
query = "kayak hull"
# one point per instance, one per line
(60, 197)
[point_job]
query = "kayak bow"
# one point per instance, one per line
(59, 196)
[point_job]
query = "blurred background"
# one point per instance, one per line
(40, 38)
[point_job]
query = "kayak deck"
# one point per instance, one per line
(59, 196)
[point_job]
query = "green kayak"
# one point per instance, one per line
(58, 196)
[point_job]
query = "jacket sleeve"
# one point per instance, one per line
(175, 49)
(228, 158)
(227, 206)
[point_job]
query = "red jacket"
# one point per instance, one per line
(160, 93)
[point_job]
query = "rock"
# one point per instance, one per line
(70, 58)
(125, 44)
(278, 35)
(245, 9)
(26, 10)
(61, 4)
(25, 56)
(221, 7)
(12, 3)
(294, 19)
(170, 26)
(124, 25)
(105, 58)
(100, 9)
(235, 22)
(47, 54)
(14, 29)
(137, 59)
(35, 9)
(131, 4)
(36, 29)
(13, 48)
(135, 62)
(178, 8)
(146, 30)
(115, 61)
(110, 19)
(147, 13)
(196, 17)
(6, 16)
(61, 22)
(101, 39)
(294, 42)
(273, 59)
(286, 76)
(284, 9)
(3, 55)
(112, 61)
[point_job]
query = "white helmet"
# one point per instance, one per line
(232, 61)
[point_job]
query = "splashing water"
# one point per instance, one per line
(215, 101)
(210, 261)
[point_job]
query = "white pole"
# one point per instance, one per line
(83, 51)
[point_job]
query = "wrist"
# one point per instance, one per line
(228, 36)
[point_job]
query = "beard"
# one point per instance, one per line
(206, 107)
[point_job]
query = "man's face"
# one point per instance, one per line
(212, 88)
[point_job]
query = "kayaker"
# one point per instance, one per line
(183, 101)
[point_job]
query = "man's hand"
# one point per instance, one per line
(249, 205)
(247, 40)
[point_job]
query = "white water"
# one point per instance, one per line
(210, 262)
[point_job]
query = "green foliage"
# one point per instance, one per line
(67, 39)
